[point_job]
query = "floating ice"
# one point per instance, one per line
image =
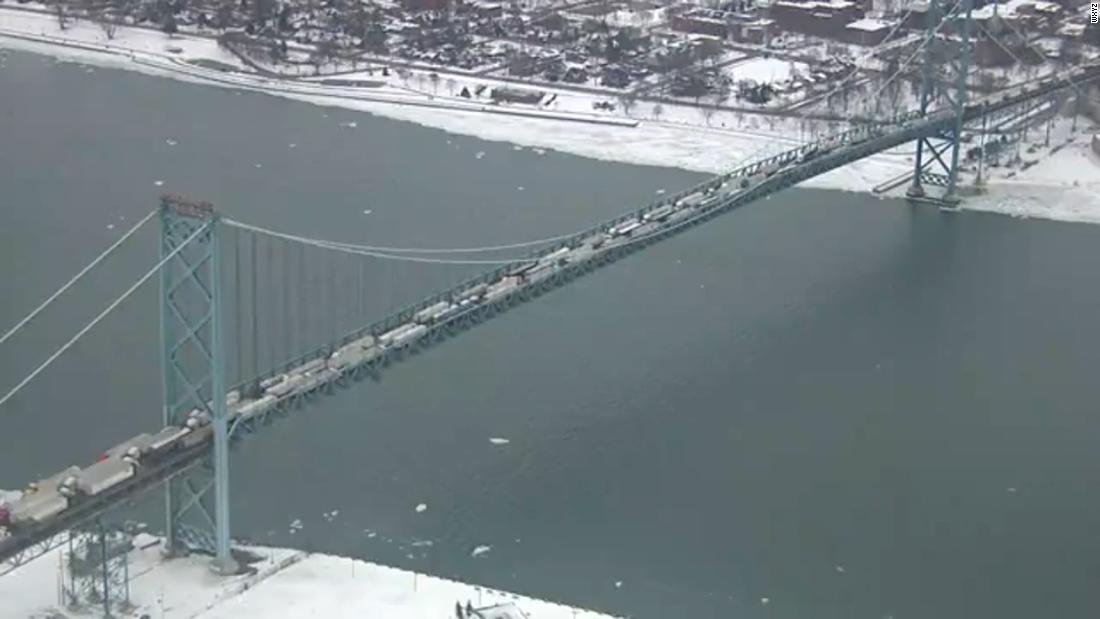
(110, 226)
(372, 535)
(764, 601)
(1011, 490)
(539, 151)
(367, 211)
(479, 154)
(259, 165)
(520, 188)
(293, 145)
(839, 569)
(480, 550)
(422, 543)
(171, 142)
(660, 191)
(517, 147)
(421, 508)
(618, 584)
(351, 124)
(499, 441)
(158, 183)
(296, 523)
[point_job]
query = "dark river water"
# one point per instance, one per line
(851, 407)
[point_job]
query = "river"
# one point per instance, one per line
(845, 406)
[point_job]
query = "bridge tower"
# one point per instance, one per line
(194, 375)
(945, 70)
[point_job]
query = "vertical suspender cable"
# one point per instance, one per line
(252, 272)
(237, 307)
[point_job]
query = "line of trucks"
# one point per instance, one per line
(48, 498)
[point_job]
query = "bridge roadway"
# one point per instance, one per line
(725, 193)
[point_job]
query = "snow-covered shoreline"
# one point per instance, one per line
(1063, 186)
(281, 583)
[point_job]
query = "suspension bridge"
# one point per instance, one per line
(229, 366)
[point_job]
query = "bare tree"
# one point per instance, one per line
(105, 22)
(451, 85)
(433, 77)
(708, 112)
(658, 109)
(627, 100)
(404, 74)
(62, 16)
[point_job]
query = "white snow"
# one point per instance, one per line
(1062, 186)
(9, 497)
(765, 70)
(287, 584)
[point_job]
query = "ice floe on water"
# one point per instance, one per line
(351, 124)
(479, 154)
(496, 440)
(158, 183)
(421, 508)
(171, 142)
(480, 550)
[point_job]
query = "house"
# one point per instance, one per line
(867, 31)
(516, 95)
(424, 5)
(615, 77)
(824, 18)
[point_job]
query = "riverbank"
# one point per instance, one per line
(279, 583)
(1065, 184)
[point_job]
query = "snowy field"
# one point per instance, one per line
(1065, 185)
(284, 583)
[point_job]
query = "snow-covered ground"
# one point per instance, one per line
(1062, 187)
(284, 583)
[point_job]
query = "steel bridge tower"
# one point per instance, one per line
(952, 53)
(194, 375)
